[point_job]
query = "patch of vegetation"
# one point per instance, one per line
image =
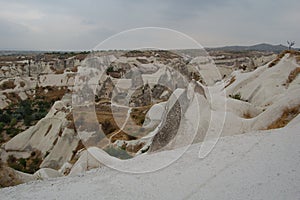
(74, 69)
(1, 138)
(122, 136)
(138, 115)
(110, 69)
(236, 96)
(247, 115)
(58, 71)
(13, 97)
(25, 112)
(12, 132)
(7, 176)
(281, 55)
(293, 75)
(108, 126)
(135, 148)
(53, 93)
(287, 115)
(117, 152)
(22, 84)
(231, 81)
(7, 85)
(29, 165)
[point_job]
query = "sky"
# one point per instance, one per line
(82, 25)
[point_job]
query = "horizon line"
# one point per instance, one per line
(90, 50)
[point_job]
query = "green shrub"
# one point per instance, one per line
(29, 165)
(39, 115)
(22, 162)
(1, 138)
(13, 163)
(34, 165)
(237, 96)
(27, 120)
(1, 126)
(5, 118)
(13, 122)
(110, 69)
(12, 132)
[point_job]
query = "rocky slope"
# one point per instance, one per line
(256, 165)
(264, 98)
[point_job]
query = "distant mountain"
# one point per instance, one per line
(18, 52)
(257, 47)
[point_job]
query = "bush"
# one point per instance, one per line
(5, 118)
(22, 162)
(110, 69)
(26, 112)
(39, 115)
(237, 96)
(13, 163)
(34, 165)
(1, 126)
(27, 120)
(11, 131)
(1, 138)
(108, 126)
(29, 165)
(13, 122)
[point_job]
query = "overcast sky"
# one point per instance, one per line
(81, 25)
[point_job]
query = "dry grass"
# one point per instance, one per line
(122, 136)
(81, 56)
(104, 115)
(57, 71)
(48, 130)
(247, 115)
(7, 176)
(22, 84)
(60, 71)
(9, 84)
(287, 115)
(292, 76)
(297, 59)
(276, 61)
(138, 114)
(74, 69)
(294, 53)
(231, 81)
(13, 97)
(28, 165)
(54, 93)
(135, 148)
(74, 158)
(108, 120)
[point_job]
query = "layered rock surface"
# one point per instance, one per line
(175, 111)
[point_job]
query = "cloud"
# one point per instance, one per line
(74, 24)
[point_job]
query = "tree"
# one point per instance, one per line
(290, 44)
(29, 68)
